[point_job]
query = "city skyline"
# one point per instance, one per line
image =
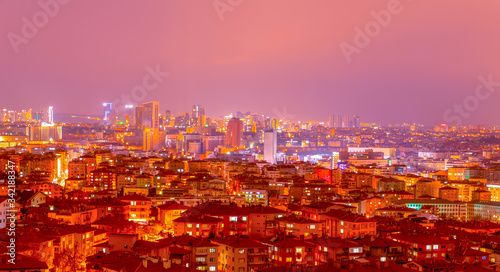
(249, 136)
(127, 113)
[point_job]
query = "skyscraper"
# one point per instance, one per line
(234, 132)
(48, 115)
(108, 109)
(51, 115)
(148, 120)
(333, 120)
(130, 114)
(138, 116)
(197, 111)
(343, 121)
(270, 146)
(4, 117)
(198, 116)
(355, 122)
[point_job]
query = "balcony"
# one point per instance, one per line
(257, 262)
(236, 228)
(258, 253)
(270, 225)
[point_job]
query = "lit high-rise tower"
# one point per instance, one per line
(234, 132)
(130, 114)
(48, 115)
(148, 120)
(108, 108)
(198, 115)
(51, 115)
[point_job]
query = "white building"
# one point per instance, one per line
(388, 152)
(270, 146)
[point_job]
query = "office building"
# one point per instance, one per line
(130, 114)
(211, 142)
(344, 121)
(44, 132)
(108, 109)
(198, 117)
(47, 115)
(148, 120)
(234, 132)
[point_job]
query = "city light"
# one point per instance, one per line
(250, 136)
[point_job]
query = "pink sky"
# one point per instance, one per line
(263, 55)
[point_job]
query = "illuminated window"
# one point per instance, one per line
(355, 250)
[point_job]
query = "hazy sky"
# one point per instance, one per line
(254, 55)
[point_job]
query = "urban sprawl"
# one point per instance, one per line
(139, 189)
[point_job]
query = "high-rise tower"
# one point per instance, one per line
(234, 132)
(270, 146)
(148, 120)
